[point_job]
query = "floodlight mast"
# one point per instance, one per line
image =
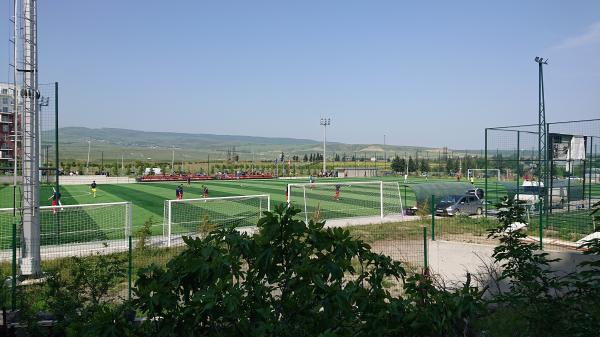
(542, 138)
(325, 122)
(30, 250)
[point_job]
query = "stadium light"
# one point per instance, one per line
(325, 122)
(542, 145)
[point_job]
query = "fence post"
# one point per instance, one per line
(485, 164)
(14, 268)
(425, 259)
(432, 217)
(541, 224)
(129, 269)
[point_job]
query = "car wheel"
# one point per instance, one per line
(478, 212)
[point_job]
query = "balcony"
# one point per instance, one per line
(5, 120)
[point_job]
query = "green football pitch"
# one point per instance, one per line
(148, 198)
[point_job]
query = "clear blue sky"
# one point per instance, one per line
(423, 73)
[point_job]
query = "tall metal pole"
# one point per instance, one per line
(485, 176)
(57, 171)
(384, 155)
(30, 250)
(15, 107)
(325, 122)
(173, 161)
(87, 165)
(542, 139)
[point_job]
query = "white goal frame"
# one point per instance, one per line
(374, 182)
(51, 251)
(167, 214)
(471, 172)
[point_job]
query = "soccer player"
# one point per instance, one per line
(189, 180)
(180, 191)
(177, 193)
(55, 197)
(204, 191)
(93, 188)
(337, 192)
(286, 195)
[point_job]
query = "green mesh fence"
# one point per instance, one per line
(557, 186)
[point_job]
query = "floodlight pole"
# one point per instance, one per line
(384, 155)
(325, 122)
(87, 164)
(542, 140)
(173, 161)
(30, 249)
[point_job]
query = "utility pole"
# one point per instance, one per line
(384, 155)
(87, 165)
(173, 161)
(325, 122)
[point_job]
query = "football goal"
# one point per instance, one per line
(481, 173)
(194, 216)
(72, 230)
(338, 200)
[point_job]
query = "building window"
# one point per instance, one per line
(5, 128)
(5, 109)
(5, 100)
(4, 91)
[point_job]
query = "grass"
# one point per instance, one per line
(148, 201)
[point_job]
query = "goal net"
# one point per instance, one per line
(481, 173)
(194, 216)
(72, 230)
(323, 201)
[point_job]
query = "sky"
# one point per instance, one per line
(421, 73)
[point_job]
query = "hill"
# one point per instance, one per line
(113, 143)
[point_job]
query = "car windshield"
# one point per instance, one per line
(450, 198)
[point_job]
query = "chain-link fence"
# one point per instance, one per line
(556, 176)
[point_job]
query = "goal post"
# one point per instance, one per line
(74, 230)
(338, 200)
(473, 172)
(194, 216)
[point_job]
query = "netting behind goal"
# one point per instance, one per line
(355, 199)
(481, 173)
(72, 230)
(192, 216)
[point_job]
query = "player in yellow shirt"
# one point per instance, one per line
(93, 188)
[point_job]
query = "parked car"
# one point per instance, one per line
(411, 210)
(459, 204)
(531, 192)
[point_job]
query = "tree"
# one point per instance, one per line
(396, 166)
(412, 167)
(305, 158)
(424, 165)
(289, 280)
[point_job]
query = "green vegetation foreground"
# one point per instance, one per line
(294, 279)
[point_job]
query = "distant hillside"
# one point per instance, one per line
(134, 138)
(112, 143)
